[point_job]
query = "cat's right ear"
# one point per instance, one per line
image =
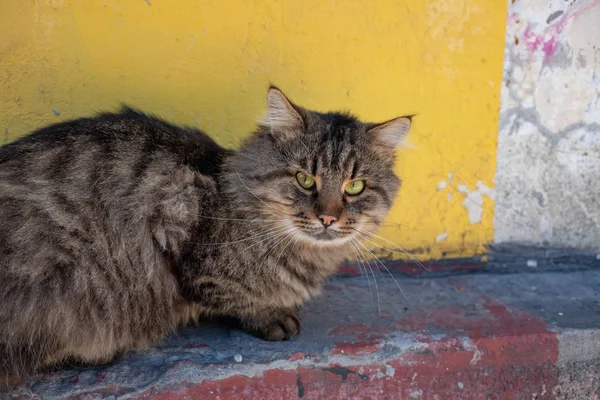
(283, 119)
(388, 136)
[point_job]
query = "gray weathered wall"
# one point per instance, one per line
(548, 171)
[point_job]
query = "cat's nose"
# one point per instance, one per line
(327, 219)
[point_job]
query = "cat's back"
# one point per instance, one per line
(92, 210)
(129, 136)
(115, 170)
(112, 173)
(115, 177)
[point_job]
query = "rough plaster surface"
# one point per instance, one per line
(548, 169)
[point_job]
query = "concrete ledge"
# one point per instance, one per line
(528, 335)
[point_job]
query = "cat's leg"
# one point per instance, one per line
(273, 325)
(265, 321)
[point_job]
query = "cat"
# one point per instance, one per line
(118, 229)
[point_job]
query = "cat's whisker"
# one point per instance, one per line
(283, 231)
(290, 237)
(383, 224)
(388, 271)
(271, 239)
(396, 225)
(377, 268)
(264, 233)
(376, 286)
(242, 219)
(258, 198)
(293, 238)
(272, 247)
(287, 236)
(362, 266)
(366, 236)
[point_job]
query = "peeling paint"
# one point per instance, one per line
(548, 146)
(441, 236)
(469, 346)
(390, 371)
(474, 200)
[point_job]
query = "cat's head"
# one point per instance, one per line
(325, 177)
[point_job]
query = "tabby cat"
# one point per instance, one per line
(118, 229)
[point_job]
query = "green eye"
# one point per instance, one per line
(305, 181)
(355, 188)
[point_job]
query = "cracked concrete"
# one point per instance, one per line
(549, 141)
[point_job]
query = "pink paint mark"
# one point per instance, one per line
(296, 356)
(535, 41)
(549, 47)
(548, 39)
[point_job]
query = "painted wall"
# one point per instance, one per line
(548, 173)
(207, 64)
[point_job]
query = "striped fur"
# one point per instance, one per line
(119, 228)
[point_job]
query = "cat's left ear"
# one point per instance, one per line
(389, 135)
(283, 118)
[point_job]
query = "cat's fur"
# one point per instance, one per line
(117, 229)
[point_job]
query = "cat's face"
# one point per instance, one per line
(325, 178)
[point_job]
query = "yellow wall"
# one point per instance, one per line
(207, 63)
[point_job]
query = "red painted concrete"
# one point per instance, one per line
(491, 353)
(444, 371)
(479, 336)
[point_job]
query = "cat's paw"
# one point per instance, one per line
(282, 326)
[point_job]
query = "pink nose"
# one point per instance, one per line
(327, 219)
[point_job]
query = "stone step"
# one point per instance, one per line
(533, 334)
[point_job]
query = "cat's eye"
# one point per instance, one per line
(307, 182)
(355, 188)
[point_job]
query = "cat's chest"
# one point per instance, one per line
(268, 259)
(296, 270)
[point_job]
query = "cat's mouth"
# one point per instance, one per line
(327, 235)
(316, 233)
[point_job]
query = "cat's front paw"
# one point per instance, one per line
(280, 326)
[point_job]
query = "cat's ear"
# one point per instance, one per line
(283, 118)
(390, 135)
